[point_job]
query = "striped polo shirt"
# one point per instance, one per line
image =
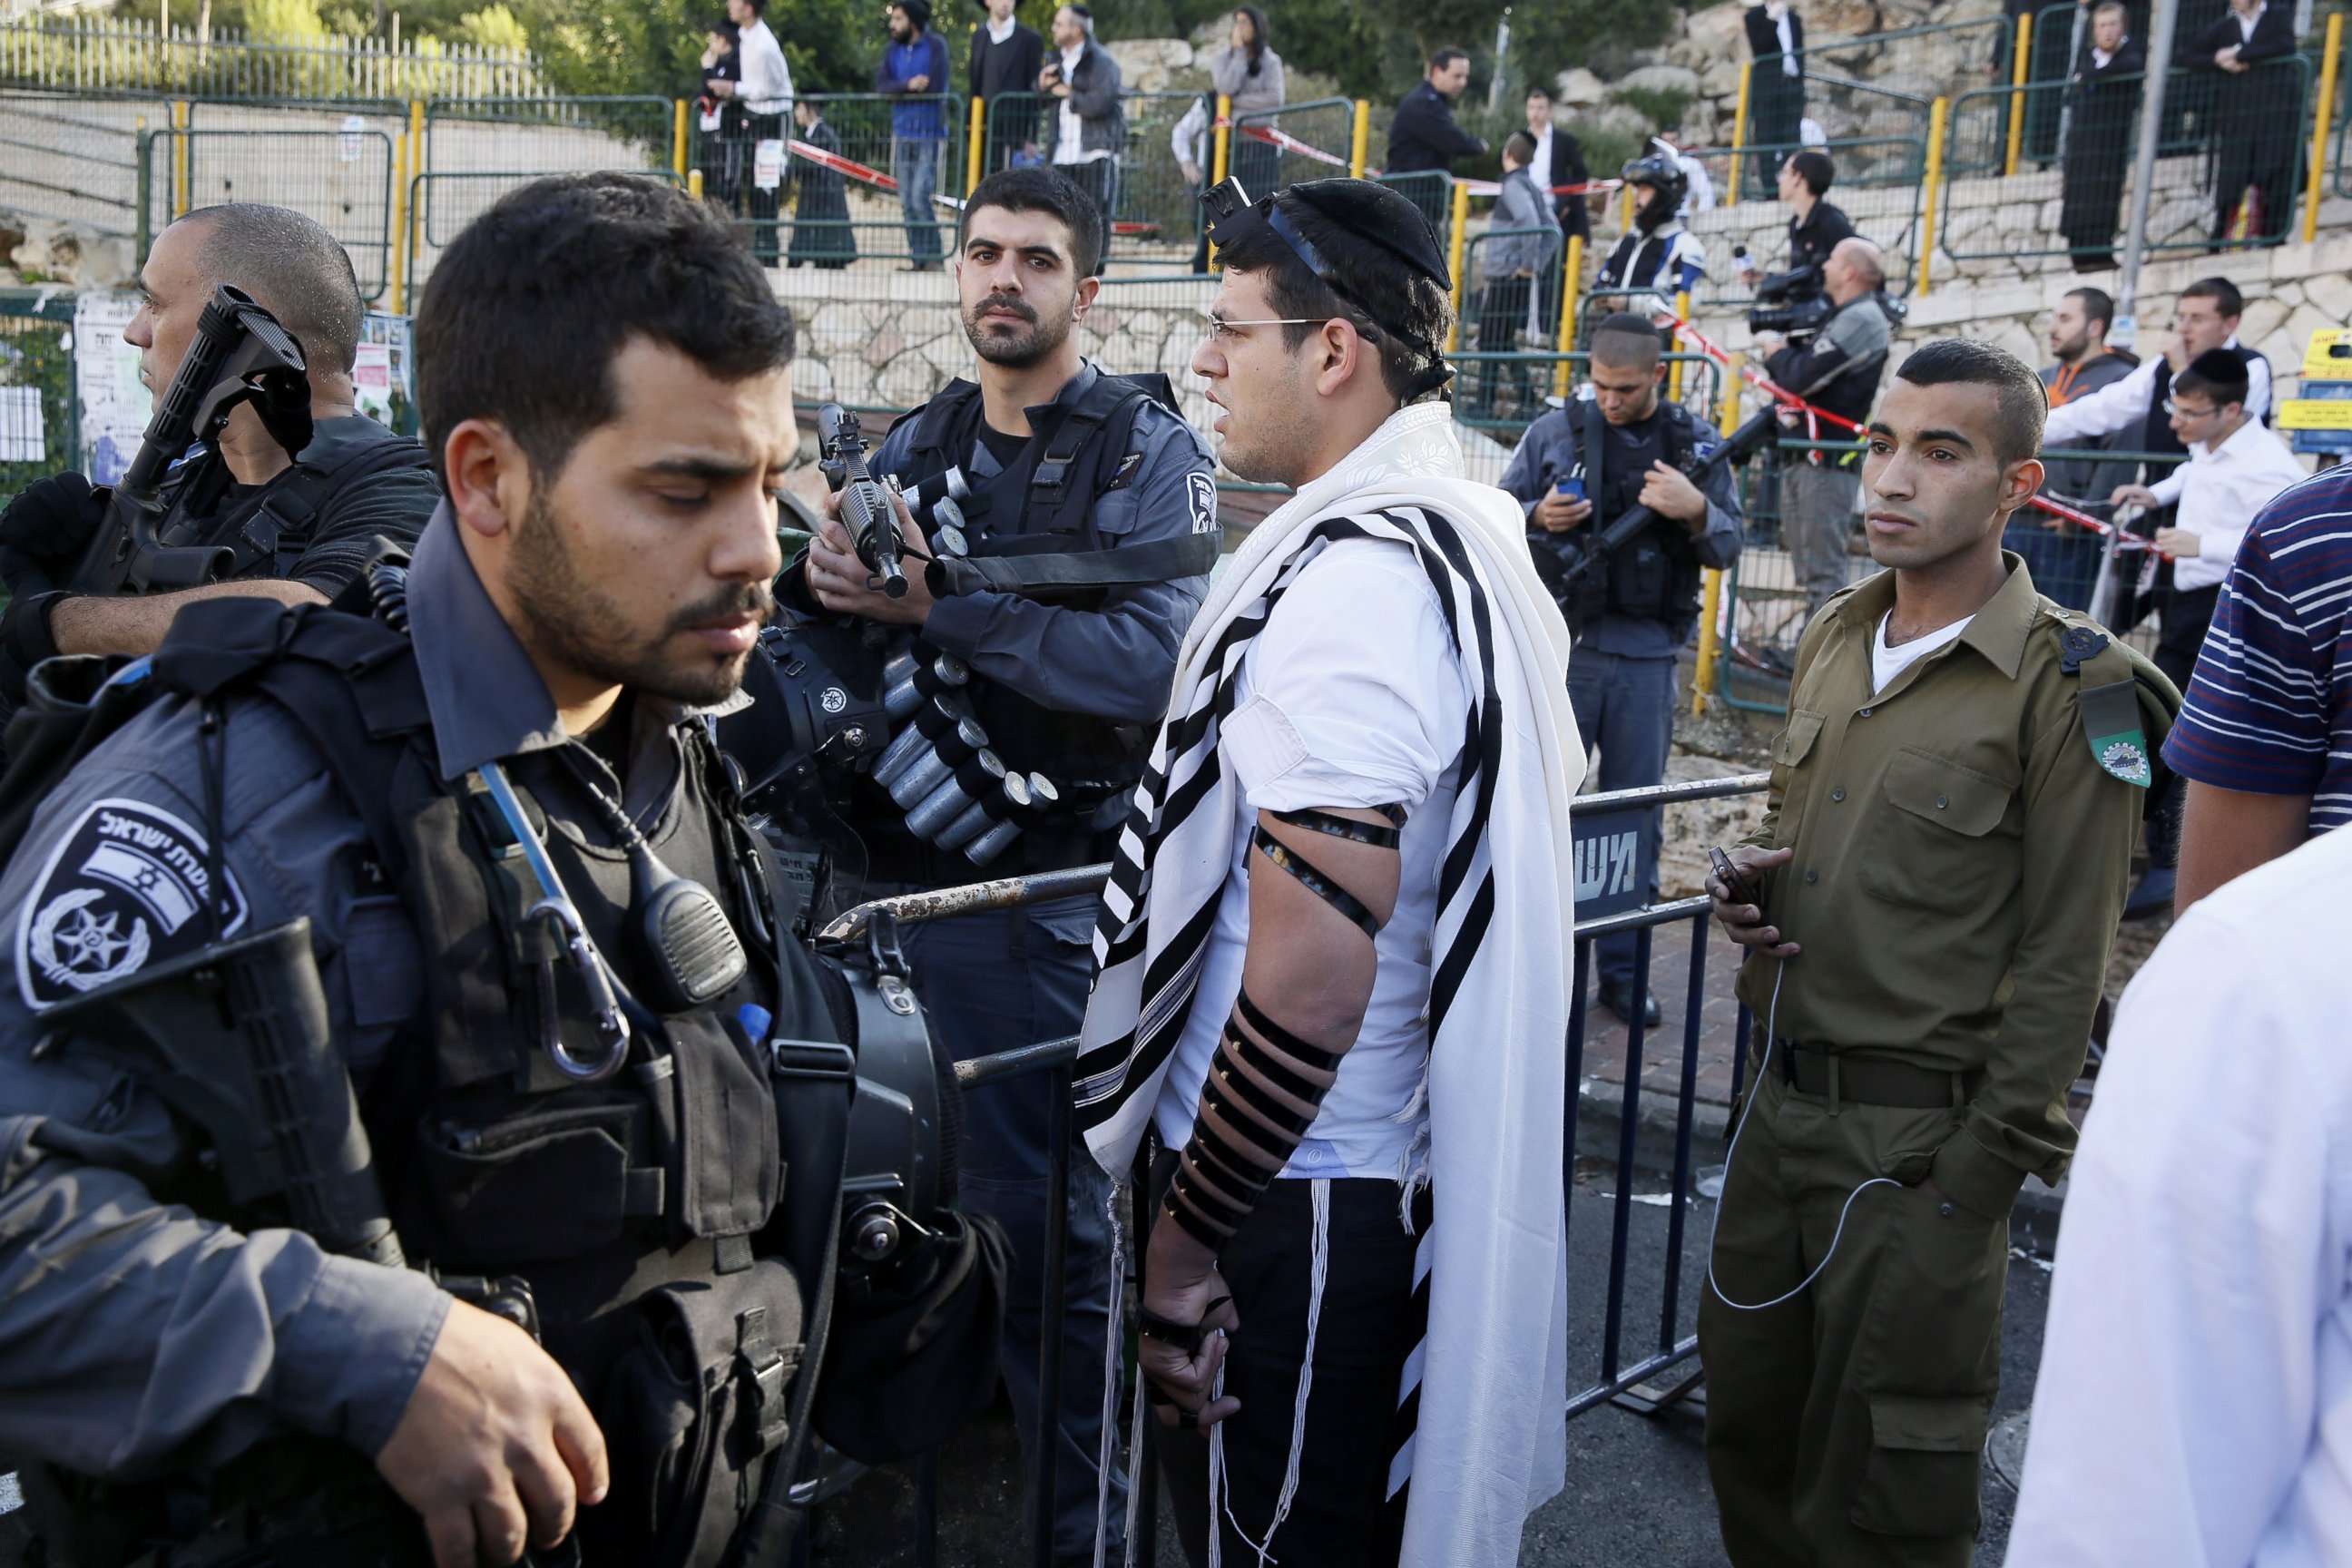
(2270, 708)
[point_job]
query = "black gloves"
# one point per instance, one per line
(54, 519)
(26, 639)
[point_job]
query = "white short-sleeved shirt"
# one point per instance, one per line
(1353, 696)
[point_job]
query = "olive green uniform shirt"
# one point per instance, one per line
(1960, 866)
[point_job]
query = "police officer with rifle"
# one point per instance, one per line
(425, 1138)
(1059, 524)
(1628, 497)
(289, 491)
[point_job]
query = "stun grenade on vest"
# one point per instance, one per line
(866, 509)
(239, 354)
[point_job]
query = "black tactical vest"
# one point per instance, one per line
(1656, 575)
(268, 530)
(1042, 503)
(633, 1210)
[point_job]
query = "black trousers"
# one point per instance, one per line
(1502, 316)
(766, 246)
(2187, 617)
(1339, 1514)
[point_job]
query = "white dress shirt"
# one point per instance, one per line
(1000, 31)
(1353, 696)
(766, 84)
(2218, 491)
(2194, 1407)
(1779, 15)
(2123, 404)
(2246, 25)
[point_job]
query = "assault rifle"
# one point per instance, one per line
(866, 509)
(234, 1037)
(239, 354)
(1575, 557)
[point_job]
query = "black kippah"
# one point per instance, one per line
(1378, 213)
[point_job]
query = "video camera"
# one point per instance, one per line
(1791, 303)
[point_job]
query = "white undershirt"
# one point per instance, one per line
(1000, 31)
(1069, 142)
(1353, 696)
(1886, 663)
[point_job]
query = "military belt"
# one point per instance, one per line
(1862, 1081)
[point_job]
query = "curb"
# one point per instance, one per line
(1600, 1118)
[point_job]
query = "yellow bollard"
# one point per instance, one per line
(1624, 209)
(398, 233)
(1571, 279)
(1703, 675)
(678, 139)
(694, 184)
(1937, 115)
(976, 149)
(2331, 59)
(1359, 144)
(1461, 236)
(179, 159)
(416, 171)
(1739, 133)
(1221, 148)
(2017, 72)
(1675, 371)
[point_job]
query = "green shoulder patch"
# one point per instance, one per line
(2111, 719)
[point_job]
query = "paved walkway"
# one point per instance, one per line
(1605, 1036)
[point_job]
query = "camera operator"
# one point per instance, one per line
(301, 526)
(1816, 228)
(1831, 355)
(1578, 467)
(1050, 452)
(350, 813)
(1657, 253)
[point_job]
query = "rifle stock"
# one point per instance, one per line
(239, 353)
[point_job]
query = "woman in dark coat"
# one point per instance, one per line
(821, 233)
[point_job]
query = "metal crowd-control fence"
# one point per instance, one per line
(74, 158)
(440, 206)
(1765, 604)
(106, 54)
(1154, 211)
(342, 178)
(1430, 190)
(40, 413)
(1615, 843)
(2233, 177)
(1880, 183)
(579, 135)
(845, 208)
(1513, 321)
(1327, 125)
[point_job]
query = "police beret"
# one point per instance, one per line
(1379, 214)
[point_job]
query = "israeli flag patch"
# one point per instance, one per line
(124, 886)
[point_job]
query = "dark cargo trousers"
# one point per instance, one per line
(1845, 1428)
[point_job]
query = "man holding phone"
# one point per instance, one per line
(1577, 469)
(1927, 906)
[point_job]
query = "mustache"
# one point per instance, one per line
(1005, 302)
(754, 598)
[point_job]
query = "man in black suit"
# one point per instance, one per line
(2256, 114)
(1776, 86)
(1559, 161)
(1423, 138)
(2102, 104)
(1006, 57)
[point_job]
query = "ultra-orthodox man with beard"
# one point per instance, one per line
(1334, 951)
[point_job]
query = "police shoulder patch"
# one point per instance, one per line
(1202, 491)
(123, 887)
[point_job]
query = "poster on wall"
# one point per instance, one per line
(115, 403)
(383, 377)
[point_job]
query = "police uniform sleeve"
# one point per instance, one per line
(1719, 546)
(1524, 481)
(389, 506)
(130, 1327)
(1116, 662)
(2075, 860)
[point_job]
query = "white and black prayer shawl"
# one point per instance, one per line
(1484, 1441)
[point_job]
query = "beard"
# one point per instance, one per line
(569, 620)
(1020, 350)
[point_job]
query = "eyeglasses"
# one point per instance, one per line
(1219, 330)
(2177, 412)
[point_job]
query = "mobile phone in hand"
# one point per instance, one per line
(1742, 890)
(1571, 489)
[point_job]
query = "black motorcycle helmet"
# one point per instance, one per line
(1665, 175)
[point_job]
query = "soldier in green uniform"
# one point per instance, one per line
(1928, 909)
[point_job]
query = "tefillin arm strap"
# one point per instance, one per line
(1265, 1085)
